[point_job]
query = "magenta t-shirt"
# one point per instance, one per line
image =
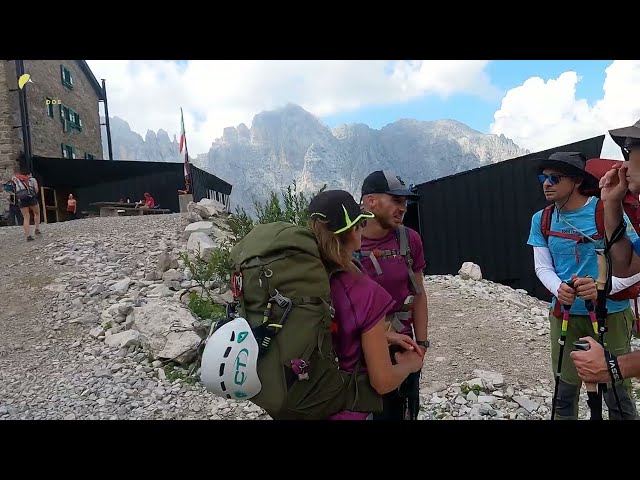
(394, 278)
(359, 303)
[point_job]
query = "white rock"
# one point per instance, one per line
(486, 399)
(495, 378)
(168, 328)
(124, 339)
(203, 227)
(470, 270)
(199, 241)
(121, 286)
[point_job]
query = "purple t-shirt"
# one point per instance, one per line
(359, 304)
(394, 278)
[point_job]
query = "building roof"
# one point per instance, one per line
(79, 172)
(84, 66)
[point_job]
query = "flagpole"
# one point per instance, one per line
(187, 176)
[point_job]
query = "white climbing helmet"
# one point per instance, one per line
(229, 361)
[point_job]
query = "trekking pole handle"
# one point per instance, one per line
(584, 346)
(602, 270)
(570, 284)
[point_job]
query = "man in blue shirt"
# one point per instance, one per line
(597, 365)
(564, 243)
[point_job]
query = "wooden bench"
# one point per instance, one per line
(128, 211)
(154, 211)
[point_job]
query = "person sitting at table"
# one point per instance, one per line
(148, 202)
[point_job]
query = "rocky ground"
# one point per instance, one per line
(72, 348)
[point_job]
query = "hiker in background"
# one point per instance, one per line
(564, 237)
(15, 217)
(26, 190)
(595, 365)
(358, 327)
(72, 206)
(384, 241)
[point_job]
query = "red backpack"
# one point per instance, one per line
(598, 167)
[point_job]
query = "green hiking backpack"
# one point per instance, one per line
(282, 290)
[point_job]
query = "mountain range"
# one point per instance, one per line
(291, 144)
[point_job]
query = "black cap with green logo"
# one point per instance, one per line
(339, 209)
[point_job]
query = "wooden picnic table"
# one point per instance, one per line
(114, 204)
(114, 209)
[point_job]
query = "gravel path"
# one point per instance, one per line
(55, 291)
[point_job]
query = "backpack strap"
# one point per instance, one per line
(545, 222)
(545, 227)
(600, 219)
(405, 251)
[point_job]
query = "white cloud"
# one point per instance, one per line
(538, 115)
(149, 94)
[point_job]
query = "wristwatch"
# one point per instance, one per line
(423, 343)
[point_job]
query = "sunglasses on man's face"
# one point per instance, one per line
(553, 179)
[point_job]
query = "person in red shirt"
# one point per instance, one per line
(148, 202)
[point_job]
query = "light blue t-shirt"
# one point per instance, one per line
(563, 250)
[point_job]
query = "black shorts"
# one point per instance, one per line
(28, 202)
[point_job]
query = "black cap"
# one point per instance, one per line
(338, 208)
(382, 181)
(625, 137)
(571, 163)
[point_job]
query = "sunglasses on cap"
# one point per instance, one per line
(553, 179)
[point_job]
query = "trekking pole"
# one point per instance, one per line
(604, 287)
(594, 400)
(563, 337)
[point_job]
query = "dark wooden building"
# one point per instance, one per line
(109, 181)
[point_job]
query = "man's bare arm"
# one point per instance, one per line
(625, 262)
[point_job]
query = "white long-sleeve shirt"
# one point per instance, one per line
(549, 278)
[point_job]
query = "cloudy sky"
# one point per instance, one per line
(538, 104)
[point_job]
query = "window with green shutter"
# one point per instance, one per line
(67, 77)
(68, 151)
(49, 105)
(70, 119)
(88, 156)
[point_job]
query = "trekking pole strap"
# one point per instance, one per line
(618, 233)
(613, 367)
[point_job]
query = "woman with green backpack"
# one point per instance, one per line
(307, 340)
(361, 305)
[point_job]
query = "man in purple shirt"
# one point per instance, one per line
(383, 245)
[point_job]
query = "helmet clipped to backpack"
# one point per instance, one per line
(229, 361)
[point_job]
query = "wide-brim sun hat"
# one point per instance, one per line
(569, 163)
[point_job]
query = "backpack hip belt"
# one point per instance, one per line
(394, 320)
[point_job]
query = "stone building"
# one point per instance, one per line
(63, 110)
